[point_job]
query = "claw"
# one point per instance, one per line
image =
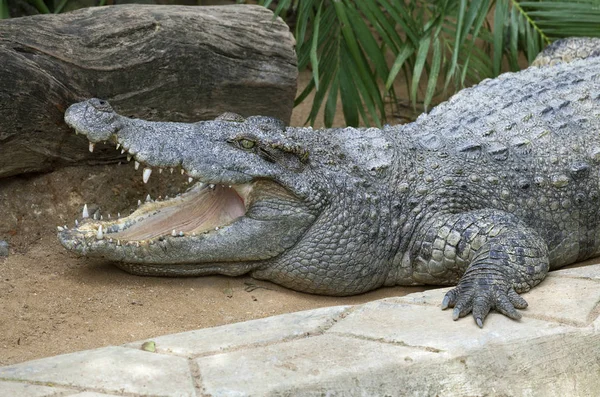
(505, 307)
(445, 302)
(516, 300)
(449, 299)
(456, 313)
(479, 322)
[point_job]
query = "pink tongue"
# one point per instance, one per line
(197, 213)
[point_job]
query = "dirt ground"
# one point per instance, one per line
(52, 302)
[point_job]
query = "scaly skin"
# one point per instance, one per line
(487, 192)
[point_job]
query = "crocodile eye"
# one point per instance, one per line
(246, 144)
(102, 105)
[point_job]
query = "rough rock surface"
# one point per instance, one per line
(156, 62)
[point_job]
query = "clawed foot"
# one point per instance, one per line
(482, 294)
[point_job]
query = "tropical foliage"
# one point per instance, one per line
(357, 48)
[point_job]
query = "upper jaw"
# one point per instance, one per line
(85, 119)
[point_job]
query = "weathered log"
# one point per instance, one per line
(153, 62)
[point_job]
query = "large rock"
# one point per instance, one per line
(153, 62)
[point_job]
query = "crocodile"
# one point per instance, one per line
(487, 192)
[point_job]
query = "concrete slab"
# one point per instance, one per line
(327, 364)
(334, 365)
(110, 369)
(249, 333)
(18, 389)
(588, 271)
(564, 299)
(429, 327)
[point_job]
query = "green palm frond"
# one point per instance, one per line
(4, 14)
(357, 48)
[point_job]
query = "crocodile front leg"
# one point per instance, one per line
(498, 257)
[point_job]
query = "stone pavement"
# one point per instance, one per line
(390, 347)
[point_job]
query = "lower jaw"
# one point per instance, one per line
(201, 210)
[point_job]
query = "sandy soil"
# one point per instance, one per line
(52, 302)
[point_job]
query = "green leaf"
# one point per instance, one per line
(406, 52)
(40, 6)
(422, 52)
(348, 93)
(513, 53)
(366, 41)
(331, 103)
(433, 75)
(305, 92)
(314, 61)
(282, 7)
(499, 18)
(365, 82)
(4, 14)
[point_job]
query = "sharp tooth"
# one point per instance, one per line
(60, 228)
(110, 240)
(66, 227)
(122, 151)
(91, 147)
(171, 169)
(108, 216)
(137, 244)
(118, 146)
(190, 179)
(160, 170)
(182, 171)
(95, 216)
(148, 198)
(173, 233)
(181, 234)
(119, 242)
(217, 228)
(101, 217)
(229, 186)
(136, 165)
(99, 235)
(86, 214)
(194, 234)
(128, 157)
(146, 174)
(139, 202)
(76, 223)
(211, 186)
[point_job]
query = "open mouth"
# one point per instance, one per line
(200, 210)
(204, 208)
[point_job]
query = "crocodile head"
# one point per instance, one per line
(246, 203)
